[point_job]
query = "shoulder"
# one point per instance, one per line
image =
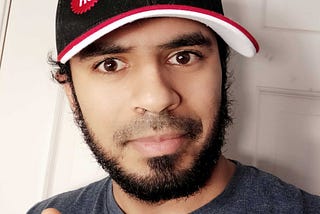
(265, 189)
(83, 198)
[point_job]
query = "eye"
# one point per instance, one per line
(111, 65)
(184, 58)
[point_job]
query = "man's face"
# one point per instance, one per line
(147, 97)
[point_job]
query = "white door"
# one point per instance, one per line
(277, 107)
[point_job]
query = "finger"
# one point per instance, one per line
(50, 211)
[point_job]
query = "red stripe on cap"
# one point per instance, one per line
(151, 8)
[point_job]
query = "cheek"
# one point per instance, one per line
(203, 91)
(101, 107)
(203, 95)
(209, 102)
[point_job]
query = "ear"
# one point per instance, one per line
(63, 80)
(67, 89)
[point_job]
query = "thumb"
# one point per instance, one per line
(50, 211)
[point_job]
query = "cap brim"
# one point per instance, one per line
(237, 37)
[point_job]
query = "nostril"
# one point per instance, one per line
(140, 110)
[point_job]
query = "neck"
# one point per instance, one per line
(219, 179)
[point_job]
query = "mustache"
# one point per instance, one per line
(191, 128)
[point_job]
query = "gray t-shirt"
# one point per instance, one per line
(249, 191)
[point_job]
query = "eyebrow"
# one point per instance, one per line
(192, 39)
(99, 49)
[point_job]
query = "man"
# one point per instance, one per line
(147, 83)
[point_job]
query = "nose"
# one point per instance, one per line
(154, 91)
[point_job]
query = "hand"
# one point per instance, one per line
(50, 211)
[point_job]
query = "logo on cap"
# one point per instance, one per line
(82, 6)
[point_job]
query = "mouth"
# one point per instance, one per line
(158, 145)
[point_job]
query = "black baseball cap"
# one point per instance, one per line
(81, 22)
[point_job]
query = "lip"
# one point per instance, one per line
(158, 145)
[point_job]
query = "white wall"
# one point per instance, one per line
(27, 104)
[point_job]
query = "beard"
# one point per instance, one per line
(166, 181)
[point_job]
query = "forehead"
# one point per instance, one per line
(155, 31)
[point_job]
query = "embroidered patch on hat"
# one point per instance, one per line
(82, 6)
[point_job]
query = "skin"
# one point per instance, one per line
(150, 79)
(50, 211)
